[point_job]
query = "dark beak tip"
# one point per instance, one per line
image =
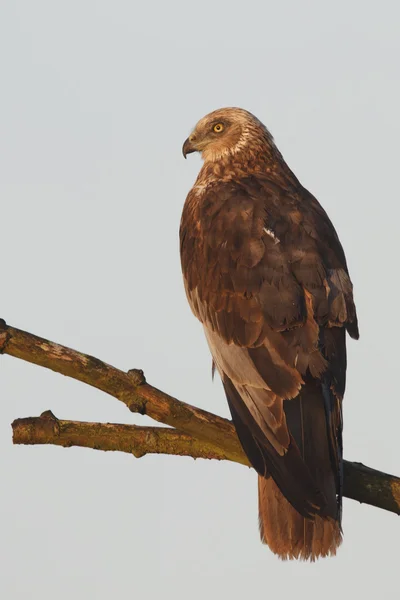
(187, 148)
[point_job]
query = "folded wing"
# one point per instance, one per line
(265, 273)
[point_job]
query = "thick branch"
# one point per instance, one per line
(130, 388)
(205, 435)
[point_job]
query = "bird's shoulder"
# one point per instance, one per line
(243, 213)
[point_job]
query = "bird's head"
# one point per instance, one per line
(225, 132)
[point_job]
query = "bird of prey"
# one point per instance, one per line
(265, 273)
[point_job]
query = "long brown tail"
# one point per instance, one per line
(314, 418)
(287, 533)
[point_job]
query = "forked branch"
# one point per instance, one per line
(196, 433)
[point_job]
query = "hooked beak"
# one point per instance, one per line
(188, 146)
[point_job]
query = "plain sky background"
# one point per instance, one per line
(96, 100)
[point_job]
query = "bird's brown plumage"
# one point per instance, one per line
(265, 273)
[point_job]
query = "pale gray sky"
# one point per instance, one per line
(96, 100)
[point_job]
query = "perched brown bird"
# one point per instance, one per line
(265, 273)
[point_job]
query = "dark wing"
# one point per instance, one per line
(266, 275)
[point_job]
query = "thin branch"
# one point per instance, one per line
(133, 439)
(201, 434)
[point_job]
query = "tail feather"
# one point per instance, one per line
(287, 533)
(300, 480)
(290, 471)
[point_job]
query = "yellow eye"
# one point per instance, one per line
(218, 128)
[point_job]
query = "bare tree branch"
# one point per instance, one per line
(130, 388)
(198, 433)
(139, 441)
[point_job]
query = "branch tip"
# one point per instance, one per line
(4, 335)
